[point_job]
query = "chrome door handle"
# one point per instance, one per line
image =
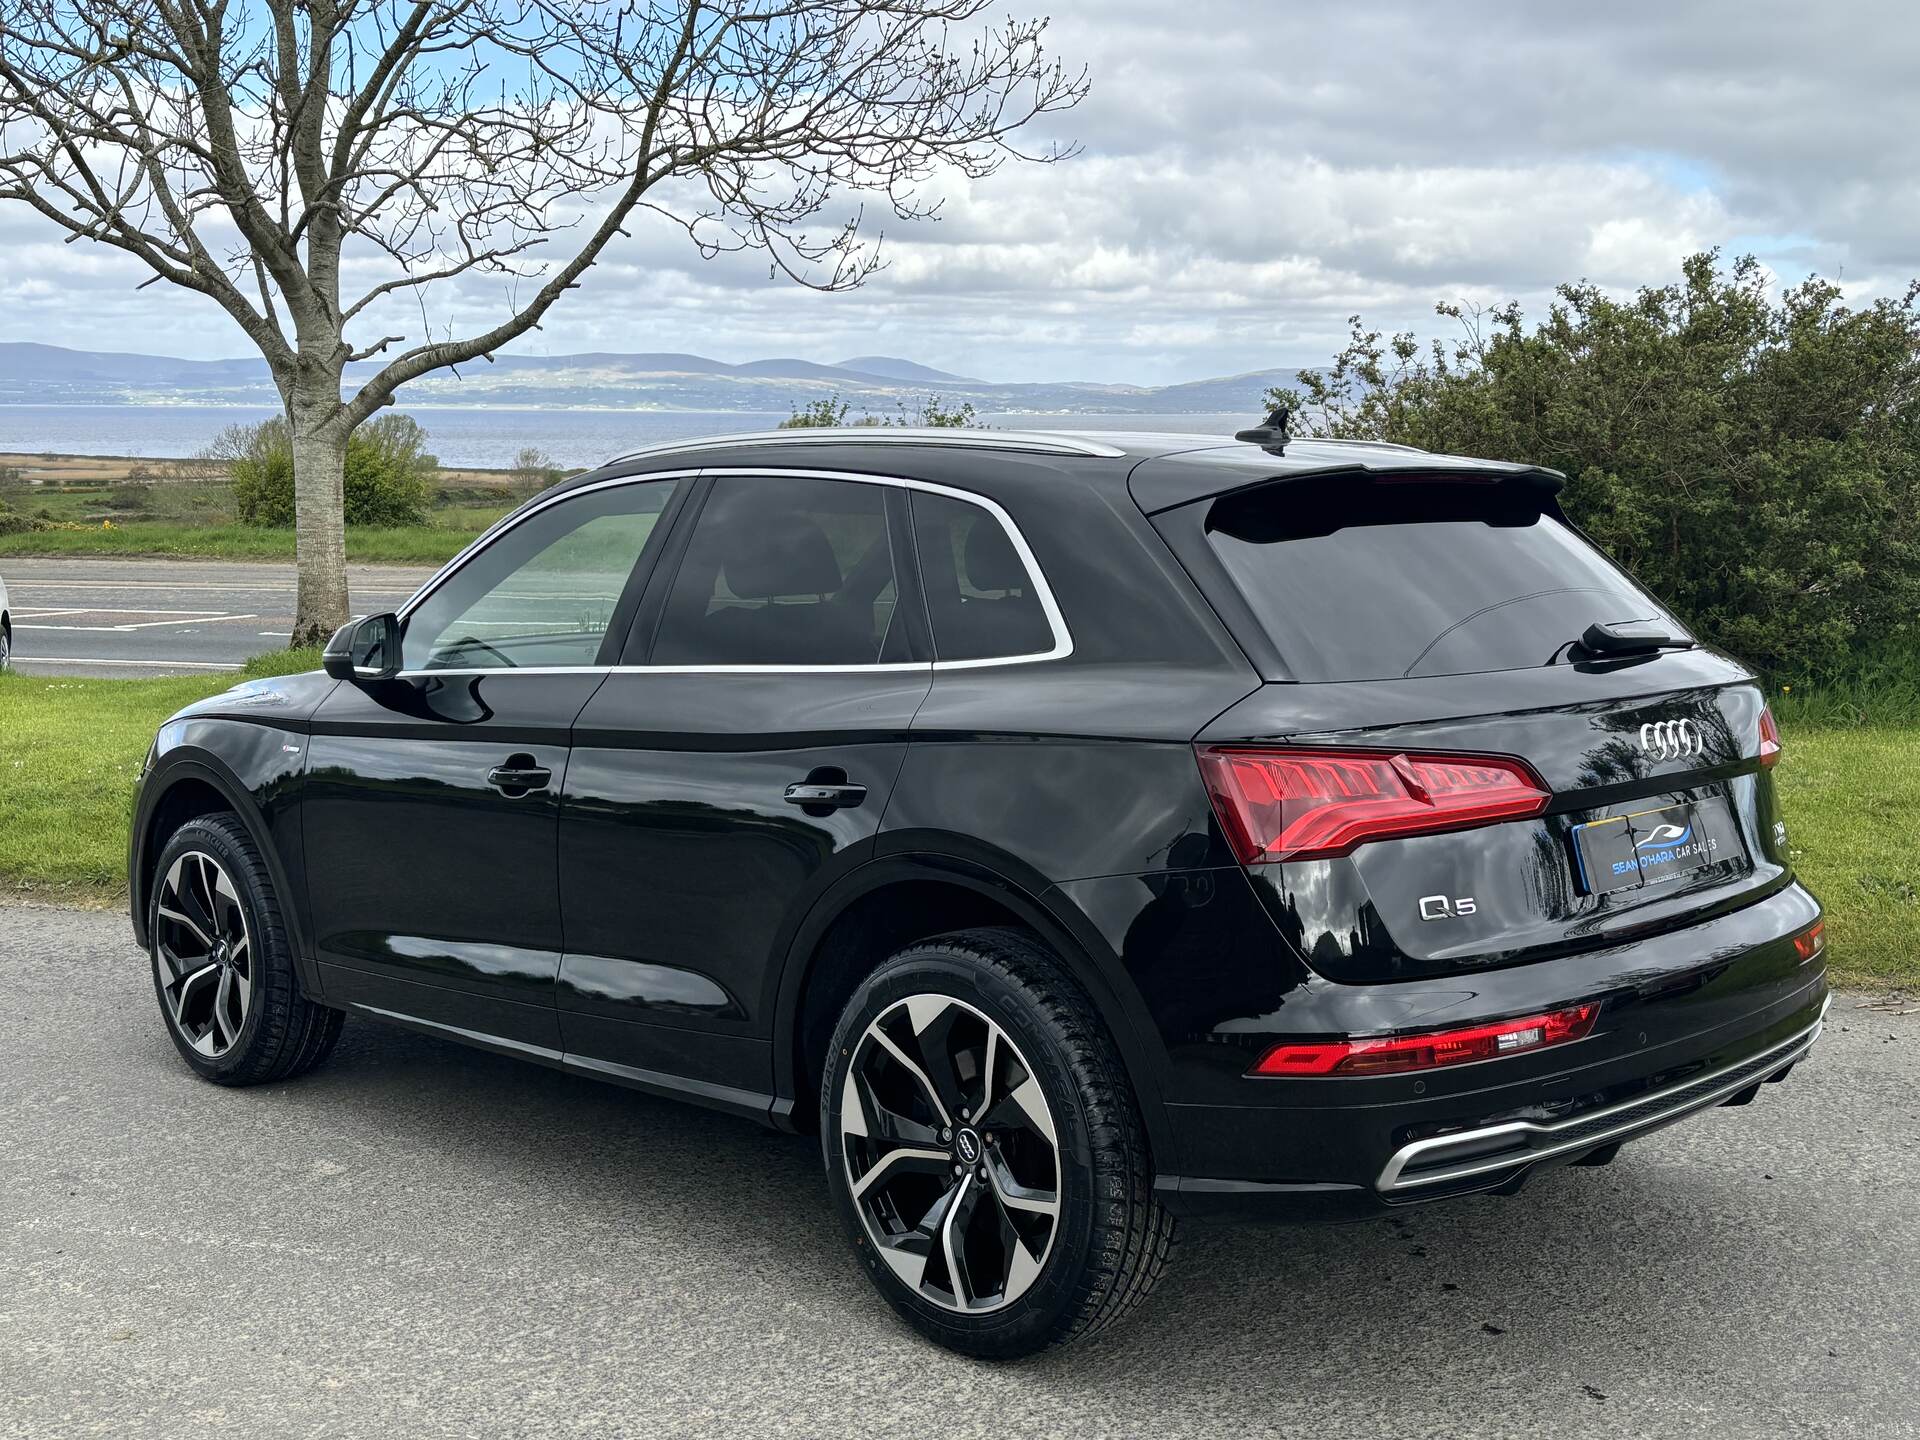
(519, 776)
(827, 797)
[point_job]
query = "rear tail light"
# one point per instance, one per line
(1811, 941)
(1430, 1051)
(1287, 804)
(1769, 740)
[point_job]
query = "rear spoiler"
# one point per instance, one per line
(1194, 475)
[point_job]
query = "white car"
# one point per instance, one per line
(6, 629)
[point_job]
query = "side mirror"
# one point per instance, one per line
(364, 649)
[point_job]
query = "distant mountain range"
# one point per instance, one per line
(48, 375)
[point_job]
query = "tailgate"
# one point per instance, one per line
(1660, 814)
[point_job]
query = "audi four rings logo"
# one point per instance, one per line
(1672, 739)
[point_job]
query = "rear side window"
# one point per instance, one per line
(1359, 579)
(783, 571)
(981, 598)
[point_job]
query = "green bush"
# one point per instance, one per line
(260, 460)
(823, 415)
(931, 414)
(389, 474)
(1756, 461)
(12, 522)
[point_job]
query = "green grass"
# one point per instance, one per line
(1852, 804)
(411, 544)
(70, 749)
(69, 753)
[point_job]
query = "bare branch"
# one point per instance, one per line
(266, 154)
(374, 349)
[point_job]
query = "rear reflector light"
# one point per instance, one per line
(1431, 1051)
(1811, 941)
(1769, 740)
(1287, 804)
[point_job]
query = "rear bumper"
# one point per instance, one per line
(1501, 1149)
(1689, 1020)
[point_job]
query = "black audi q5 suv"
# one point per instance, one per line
(1076, 832)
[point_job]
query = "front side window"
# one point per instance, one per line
(544, 593)
(784, 571)
(983, 603)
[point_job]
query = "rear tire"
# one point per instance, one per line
(939, 1159)
(222, 961)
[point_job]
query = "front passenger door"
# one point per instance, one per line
(431, 801)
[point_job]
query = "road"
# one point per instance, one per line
(120, 617)
(423, 1240)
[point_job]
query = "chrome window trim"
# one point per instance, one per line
(1050, 607)
(896, 666)
(1030, 442)
(513, 521)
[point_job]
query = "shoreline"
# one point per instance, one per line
(63, 468)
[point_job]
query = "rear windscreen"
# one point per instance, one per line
(1362, 579)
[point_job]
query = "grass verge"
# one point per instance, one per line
(1852, 804)
(70, 750)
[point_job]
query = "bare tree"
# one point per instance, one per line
(533, 470)
(263, 152)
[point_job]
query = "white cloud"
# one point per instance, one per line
(1254, 173)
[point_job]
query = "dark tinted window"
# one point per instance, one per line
(543, 593)
(784, 572)
(1375, 580)
(979, 595)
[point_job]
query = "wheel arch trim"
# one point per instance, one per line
(1048, 913)
(192, 764)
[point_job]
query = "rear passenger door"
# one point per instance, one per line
(734, 766)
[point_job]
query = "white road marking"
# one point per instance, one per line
(167, 664)
(209, 619)
(188, 617)
(224, 586)
(136, 610)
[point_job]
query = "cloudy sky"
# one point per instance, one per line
(1255, 172)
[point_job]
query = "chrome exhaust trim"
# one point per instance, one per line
(1524, 1142)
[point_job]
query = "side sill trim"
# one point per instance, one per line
(1632, 1117)
(480, 1038)
(749, 1103)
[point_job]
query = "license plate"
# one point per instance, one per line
(1649, 847)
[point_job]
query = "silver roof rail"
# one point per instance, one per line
(1370, 444)
(1027, 441)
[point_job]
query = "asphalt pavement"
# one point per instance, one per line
(424, 1240)
(108, 616)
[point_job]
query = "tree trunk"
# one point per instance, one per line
(319, 520)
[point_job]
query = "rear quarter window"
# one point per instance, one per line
(981, 598)
(1357, 578)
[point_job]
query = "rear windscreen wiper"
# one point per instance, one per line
(1608, 638)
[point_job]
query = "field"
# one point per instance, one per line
(70, 749)
(93, 505)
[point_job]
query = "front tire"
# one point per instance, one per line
(985, 1150)
(223, 962)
